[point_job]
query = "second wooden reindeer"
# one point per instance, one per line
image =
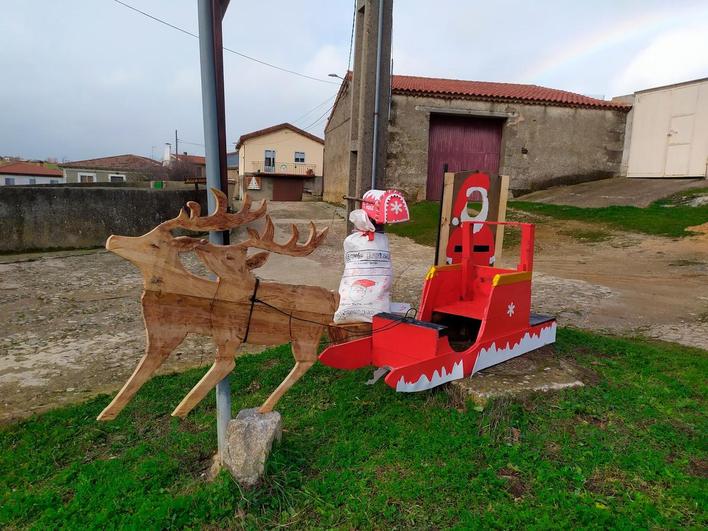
(234, 309)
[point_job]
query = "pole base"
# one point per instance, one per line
(249, 439)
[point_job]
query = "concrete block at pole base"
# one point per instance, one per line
(538, 371)
(249, 439)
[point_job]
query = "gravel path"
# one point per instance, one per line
(72, 325)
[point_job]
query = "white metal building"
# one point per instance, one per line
(668, 131)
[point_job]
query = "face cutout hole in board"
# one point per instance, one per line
(474, 203)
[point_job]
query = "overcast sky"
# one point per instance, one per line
(91, 78)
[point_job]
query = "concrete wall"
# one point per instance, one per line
(312, 187)
(172, 185)
(562, 144)
(337, 150)
(285, 143)
(71, 175)
(266, 191)
(64, 217)
(628, 99)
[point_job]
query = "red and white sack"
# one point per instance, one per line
(365, 289)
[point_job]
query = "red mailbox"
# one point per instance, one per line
(385, 206)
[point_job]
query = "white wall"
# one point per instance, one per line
(670, 131)
(25, 179)
(71, 175)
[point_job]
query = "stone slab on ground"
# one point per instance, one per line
(616, 191)
(249, 439)
(538, 371)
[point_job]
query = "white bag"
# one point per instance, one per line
(365, 289)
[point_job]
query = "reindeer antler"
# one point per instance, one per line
(291, 247)
(219, 219)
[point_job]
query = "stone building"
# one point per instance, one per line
(538, 136)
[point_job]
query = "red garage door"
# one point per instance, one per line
(287, 189)
(462, 143)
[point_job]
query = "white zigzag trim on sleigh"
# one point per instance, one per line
(492, 355)
(424, 383)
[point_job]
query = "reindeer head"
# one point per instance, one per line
(159, 249)
(160, 243)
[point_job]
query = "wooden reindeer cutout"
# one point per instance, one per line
(236, 308)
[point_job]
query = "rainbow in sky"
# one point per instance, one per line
(639, 25)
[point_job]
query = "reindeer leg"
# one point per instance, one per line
(223, 365)
(294, 375)
(156, 352)
(305, 353)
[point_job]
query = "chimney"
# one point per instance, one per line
(166, 154)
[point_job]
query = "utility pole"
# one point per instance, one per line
(211, 58)
(371, 80)
(176, 145)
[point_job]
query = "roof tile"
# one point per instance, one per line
(26, 168)
(275, 128)
(119, 162)
(458, 88)
(192, 159)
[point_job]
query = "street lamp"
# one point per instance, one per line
(336, 75)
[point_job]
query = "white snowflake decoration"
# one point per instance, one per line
(510, 309)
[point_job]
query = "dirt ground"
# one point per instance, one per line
(616, 191)
(72, 326)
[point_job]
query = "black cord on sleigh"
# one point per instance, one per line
(357, 335)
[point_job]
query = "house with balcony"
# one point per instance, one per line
(280, 163)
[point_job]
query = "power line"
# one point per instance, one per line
(315, 108)
(324, 114)
(337, 126)
(351, 37)
(235, 52)
(349, 62)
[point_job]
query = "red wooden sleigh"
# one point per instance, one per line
(471, 316)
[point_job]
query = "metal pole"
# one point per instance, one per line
(211, 59)
(377, 103)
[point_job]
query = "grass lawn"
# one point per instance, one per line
(630, 451)
(666, 217)
(423, 226)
